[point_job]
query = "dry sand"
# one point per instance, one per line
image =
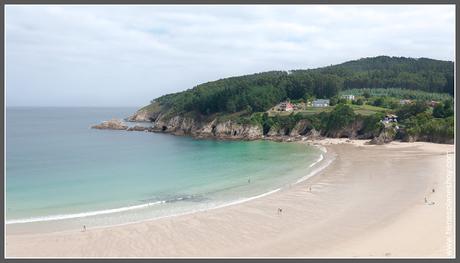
(369, 202)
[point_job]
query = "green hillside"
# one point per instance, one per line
(258, 92)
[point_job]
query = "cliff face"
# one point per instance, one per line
(142, 116)
(181, 125)
(232, 130)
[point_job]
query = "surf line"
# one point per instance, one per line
(80, 215)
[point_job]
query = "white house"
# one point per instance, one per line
(320, 103)
(348, 97)
(390, 118)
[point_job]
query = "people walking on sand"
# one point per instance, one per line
(309, 188)
(280, 211)
(433, 190)
(426, 201)
(84, 228)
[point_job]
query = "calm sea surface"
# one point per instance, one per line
(59, 172)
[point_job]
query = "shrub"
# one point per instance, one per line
(340, 117)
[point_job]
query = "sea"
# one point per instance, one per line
(62, 175)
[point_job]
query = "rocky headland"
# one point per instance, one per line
(232, 130)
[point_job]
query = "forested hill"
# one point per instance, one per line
(258, 92)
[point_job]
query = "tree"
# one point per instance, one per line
(231, 106)
(438, 111)
(409, 110)
(341, 116)
(333, 101)
(267, 123)
(359, 101)
(378, 102)
(448, 108)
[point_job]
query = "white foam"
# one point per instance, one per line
(80, 215)
(193, 211)
(247, 199)
(317, 161)
(319, 169)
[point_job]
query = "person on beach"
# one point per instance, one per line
(433, 190)
(84, 228)
(249, 180)
(426, 201)
(280, 211)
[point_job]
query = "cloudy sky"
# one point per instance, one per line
(128, 55)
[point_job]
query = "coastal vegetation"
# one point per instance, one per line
(417, 91)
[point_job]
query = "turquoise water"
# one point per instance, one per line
(60, 170)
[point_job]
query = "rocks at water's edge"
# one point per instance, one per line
(232, 130)
(140, 128)
(227, 130)
(113, 124)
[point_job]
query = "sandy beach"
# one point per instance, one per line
(368, 202)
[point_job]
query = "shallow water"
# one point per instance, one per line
(60, 170)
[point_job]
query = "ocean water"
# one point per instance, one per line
(60, 174)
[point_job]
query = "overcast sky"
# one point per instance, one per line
(128, 55)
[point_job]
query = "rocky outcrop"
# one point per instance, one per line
(350, 131)
(231, 130)
(204, 127)
(387, 135)
(301, 128)
(143, 116)
(113, 124)
(405, 137)
(139, 128)
(179, 125)
(276, 131)
(313, 135)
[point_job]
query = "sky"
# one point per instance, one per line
(76, 55)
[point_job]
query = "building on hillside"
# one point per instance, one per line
(433, 103)
(404, 102)
(390, 118)
(320, 103)
(285, 106)
(348, 97)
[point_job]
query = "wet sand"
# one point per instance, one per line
(369, 202)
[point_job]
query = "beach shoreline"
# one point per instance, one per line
(318, 165)
(208, 239)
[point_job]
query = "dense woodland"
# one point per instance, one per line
(378, 82)
(258, 92)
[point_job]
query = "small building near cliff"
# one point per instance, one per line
(321, 103)
(390, 118)
(348, 97)
(285, 106)
(433, 103)
(404, 102)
